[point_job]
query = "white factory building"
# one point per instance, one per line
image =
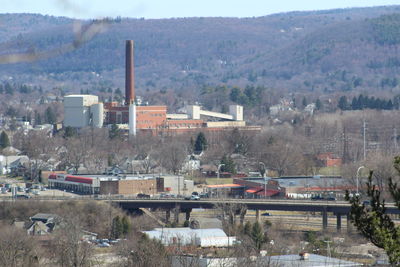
(82, 111)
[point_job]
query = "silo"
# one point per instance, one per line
(97, 111)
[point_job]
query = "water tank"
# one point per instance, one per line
(97, 112)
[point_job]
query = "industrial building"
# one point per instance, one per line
(126, 184)
(86, 110)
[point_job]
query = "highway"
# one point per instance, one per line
(129, 203)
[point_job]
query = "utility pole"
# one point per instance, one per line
(395, 139)
(328, 248)
(345, 156)
(364, 138)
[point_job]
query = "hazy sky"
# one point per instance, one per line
(176, 8)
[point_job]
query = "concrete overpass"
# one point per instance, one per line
(338, 208)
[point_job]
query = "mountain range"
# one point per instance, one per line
(342, 50)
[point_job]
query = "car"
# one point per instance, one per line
(203, 195)
(140, 195)
(103, 245)
(317, 197)
(23, 196)
(330, 198)
(266, 214)
(367, 202)
(194, 197)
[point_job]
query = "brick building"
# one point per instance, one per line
(129, 187)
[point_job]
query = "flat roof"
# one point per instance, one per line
(312, 261)
(225, 186)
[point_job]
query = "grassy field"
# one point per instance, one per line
(212, 181)
(329, 171)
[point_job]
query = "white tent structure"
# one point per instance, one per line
(213, 237)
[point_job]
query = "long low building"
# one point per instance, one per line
(81, 184)
(125, 184)
(106, 184)
(212, 237)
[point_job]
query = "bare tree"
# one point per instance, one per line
(75, 153)
(17, 248)
(173, 156)
(40, 148)
(67, 246)
(139, 251)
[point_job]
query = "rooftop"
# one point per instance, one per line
(312, 261)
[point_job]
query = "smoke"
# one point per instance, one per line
(69, 6)
(82, 35)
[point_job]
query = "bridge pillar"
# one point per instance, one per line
(349, 224)
(257, 215)
(324, 220)
(338, 222)
(242, 215)
(167, 215)
(187, 212)
(176, 215)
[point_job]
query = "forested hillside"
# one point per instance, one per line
(326, 51)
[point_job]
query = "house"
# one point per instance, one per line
(10, 163)
(42, 224)
(38, 228)
(329, 160)
(45, 218)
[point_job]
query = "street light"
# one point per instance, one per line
(265, 179)
(219, 168)
(357, 175)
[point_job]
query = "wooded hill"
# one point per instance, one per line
(335, 50)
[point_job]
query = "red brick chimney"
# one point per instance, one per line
(129, 74)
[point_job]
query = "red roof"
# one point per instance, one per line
(224, 185)
(79, 179)
(254, 190)
(269, 193)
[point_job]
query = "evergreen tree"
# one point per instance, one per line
(50, 116)
(126, 225)
(38, 118)
(69, 132)
(114, 131)
(373, 222)
(8, 89)
(318, 104)
(228, 164)
(235, 94)
(257, 235)
(389, 105)
(116, 228)
(354, 104)
(304, 102)
(247, 228)
(361, 101)
(4, 140)
(201, 143)
(343, 105)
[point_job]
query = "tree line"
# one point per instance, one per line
(365, 102)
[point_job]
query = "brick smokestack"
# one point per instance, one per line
(129, 74)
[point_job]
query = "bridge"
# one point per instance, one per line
(338, 208)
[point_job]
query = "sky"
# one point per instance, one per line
(176, 8)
